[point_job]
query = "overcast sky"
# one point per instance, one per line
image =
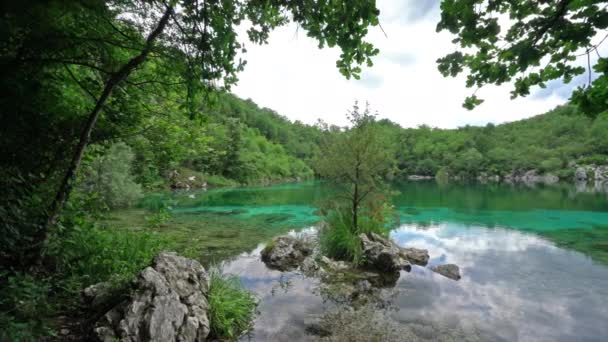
(298, 80)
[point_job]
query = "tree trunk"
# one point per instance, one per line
(61, 196)
(356, 200)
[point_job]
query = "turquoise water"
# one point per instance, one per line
(534, 261)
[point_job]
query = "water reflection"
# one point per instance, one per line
(515, 287)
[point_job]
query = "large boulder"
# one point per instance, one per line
(449, 270)
(286, 253)
(168, 303)
(384, 255)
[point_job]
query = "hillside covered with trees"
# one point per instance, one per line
(239, 143)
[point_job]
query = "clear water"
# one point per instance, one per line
(534, 261)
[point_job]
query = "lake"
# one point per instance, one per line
(534, 260)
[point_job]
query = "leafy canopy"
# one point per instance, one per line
(531, 42)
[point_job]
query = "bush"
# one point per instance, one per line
(88, 254)
(340, 241)
(551, 164)
(21, 211)
(231, 307)
(106, 180)
(443, 175)
(596, 159)
(24, 305)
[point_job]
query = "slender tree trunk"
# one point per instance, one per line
(356, 200)
(355, 207)
(65, 186)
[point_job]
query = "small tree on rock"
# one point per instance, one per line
(356, 161)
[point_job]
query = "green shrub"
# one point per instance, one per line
(565, 174)
(595, 159)
(24, 307)
(443, 175)
(106, 180)
(231, 307)
(340, 241)
(88, 254)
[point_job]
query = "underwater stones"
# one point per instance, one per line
(168, 303)
(382, 254)
(286, 253)
(448, 270)
(316, 326)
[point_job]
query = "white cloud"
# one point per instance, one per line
(298, 80)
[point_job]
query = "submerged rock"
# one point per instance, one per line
(382, 254)
(286, 252)
(168, 303)
(449, 270)
(315, 325)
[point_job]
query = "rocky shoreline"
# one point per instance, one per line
(168, 301)
(579, 174)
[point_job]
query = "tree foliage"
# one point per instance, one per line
(73, 73)
(530, 42)
(356, 160)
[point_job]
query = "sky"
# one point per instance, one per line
(292, 76)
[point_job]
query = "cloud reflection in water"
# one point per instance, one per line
(515, 287)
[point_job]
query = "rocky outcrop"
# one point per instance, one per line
(415, 256)
(168, 303)
(96, 296)
(419, 177)
(591, 173)
(184, 180)
(449, 270)
(580, 174)
(601, 173)
(386, 256)
(286, 253)
(382, 254)
(531, 177)
(485, 177)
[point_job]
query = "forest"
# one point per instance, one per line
(106, 101)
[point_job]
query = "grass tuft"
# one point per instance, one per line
(231, 306)
(338, 238)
